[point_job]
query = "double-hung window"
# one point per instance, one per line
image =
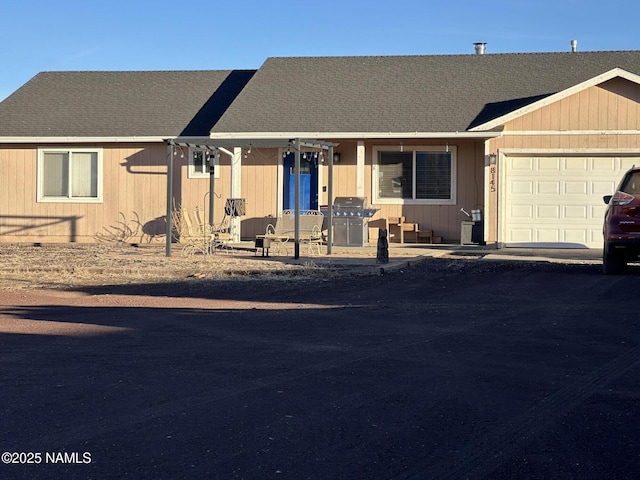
(414, 175)
(70, 175)
(200, 161)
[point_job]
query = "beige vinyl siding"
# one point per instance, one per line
(260, 189)
(598, 120)
(134, 185)
(260, 183)
(444, 220)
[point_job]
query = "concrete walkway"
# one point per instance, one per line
(402, 255)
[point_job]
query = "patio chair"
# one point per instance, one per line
(221, 235)
(194, 239)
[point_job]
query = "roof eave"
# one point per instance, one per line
(357, 135)
(70, 139)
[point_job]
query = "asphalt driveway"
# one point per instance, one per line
(448, 369)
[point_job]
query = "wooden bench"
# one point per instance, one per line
(277, 236)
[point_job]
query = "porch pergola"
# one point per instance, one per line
(216, 145)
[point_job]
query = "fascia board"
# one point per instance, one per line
(52, 140)
(613, 73)
(354, 135)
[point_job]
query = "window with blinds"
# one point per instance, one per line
(69, 175)
(433, 175)
(415, 175)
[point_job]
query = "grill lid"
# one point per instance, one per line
(349, 203)
(351, 207)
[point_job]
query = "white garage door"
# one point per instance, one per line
(556, 202)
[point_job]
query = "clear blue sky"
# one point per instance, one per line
(55, 35)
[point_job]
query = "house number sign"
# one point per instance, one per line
(492, 178)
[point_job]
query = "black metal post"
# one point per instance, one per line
(169, 226)
(296, 145)
(212, 181)
(330, 203)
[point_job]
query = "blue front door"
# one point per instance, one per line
(308, 183)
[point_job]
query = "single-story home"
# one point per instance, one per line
(533, 141)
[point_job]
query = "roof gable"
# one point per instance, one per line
(543, 101)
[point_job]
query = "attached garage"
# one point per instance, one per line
(556, 201)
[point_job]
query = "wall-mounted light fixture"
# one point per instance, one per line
(336, 157)
(492, 158)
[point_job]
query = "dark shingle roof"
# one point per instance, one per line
(437, 93)
(120, 104)
(443, 93)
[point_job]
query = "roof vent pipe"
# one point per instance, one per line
(574, 46)
(480, 47)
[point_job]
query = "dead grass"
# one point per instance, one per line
(71, 265)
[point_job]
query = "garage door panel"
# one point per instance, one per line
(547, 235)
(548, 164)
(520, 235)
(576, 164)
(522, 212)
(604, 164)
(575, 212)
(603, 188)
(547, 187)
(576, 188)
(557, 201)
(521, 188)
(595, 236)
(548, 212)
(597, 211)
(522, 164)
(577, 236)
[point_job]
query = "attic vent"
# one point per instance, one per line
(574, 46)
(480, 47)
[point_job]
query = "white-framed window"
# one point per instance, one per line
(414, 175)
(70, 175)
(199, 161)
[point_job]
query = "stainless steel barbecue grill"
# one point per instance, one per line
(350, 221)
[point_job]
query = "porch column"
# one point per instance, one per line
(360, 154)
(330, 202)
(236, 191)
(169, 199)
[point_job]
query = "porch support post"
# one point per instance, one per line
(236, 190)
(169, 227)
(296, 144)
(330, 202)
(489, 170)
(212, 189)
(360, 154)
